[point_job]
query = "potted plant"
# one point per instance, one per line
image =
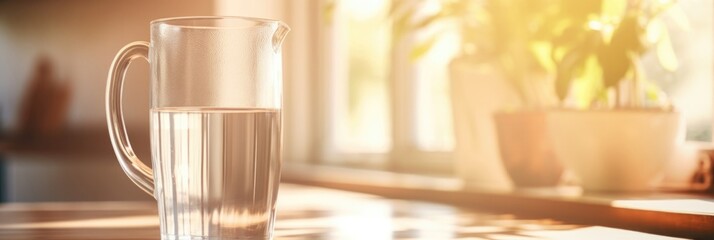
(619, 131)
(496, 69)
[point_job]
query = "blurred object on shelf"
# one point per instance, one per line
(690, 169)
(44, 105)
(702, 177)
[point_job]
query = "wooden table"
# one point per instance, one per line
(303, 213)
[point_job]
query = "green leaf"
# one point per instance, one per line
(328, 11)
(541, 51)
(655, 96)
(399, 8)
(652, 92)
(655, 29)
(422, 48)
(679, 17)
(402, 19)
(615, 64)
(400, 26)
(665, 53)
(587, 86)
(567, 70)
(613, 10)
(613, 57)
(401, 13)
(627, 37)
(427, 21)
(580, 10)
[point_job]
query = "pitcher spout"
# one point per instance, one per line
(280, 32)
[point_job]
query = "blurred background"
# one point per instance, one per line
(369, 84)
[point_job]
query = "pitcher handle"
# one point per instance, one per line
(137, 171)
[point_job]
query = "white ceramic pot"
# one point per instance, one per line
(616, 150)
(477, 92)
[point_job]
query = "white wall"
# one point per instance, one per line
(80, 38)
(272, 9)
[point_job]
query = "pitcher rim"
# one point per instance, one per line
(168, 20)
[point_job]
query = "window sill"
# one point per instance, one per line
(674, 214)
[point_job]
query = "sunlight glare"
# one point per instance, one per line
(364, 9)
(595, 232)
(692, 206)
(114, 222)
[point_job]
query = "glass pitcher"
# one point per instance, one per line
(216, 101)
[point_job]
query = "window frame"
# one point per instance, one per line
(322, 45)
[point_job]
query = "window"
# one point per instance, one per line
(365, 102)
(383, 108)
(690, 86)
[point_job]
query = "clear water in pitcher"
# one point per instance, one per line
(217, 171)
